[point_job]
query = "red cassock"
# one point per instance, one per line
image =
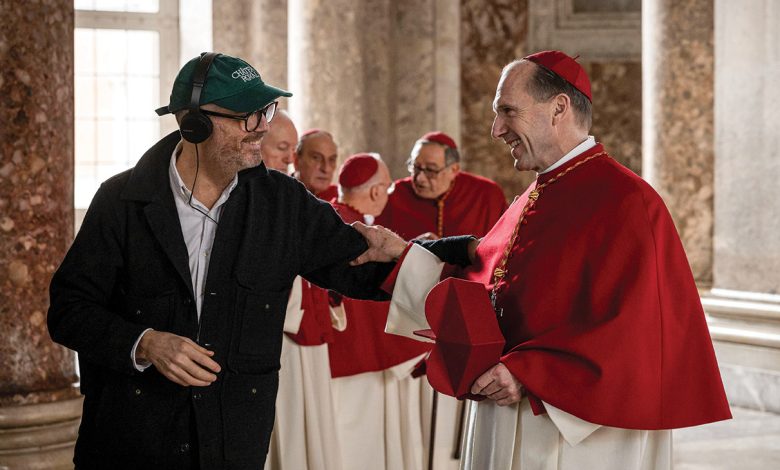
(471, 207)
(316, 327)
(329, 193)
(601, 314)
(364, 346)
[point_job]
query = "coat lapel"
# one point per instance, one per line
(164, 221)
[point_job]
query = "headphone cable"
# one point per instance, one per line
(192, 192)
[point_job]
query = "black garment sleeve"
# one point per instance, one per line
(81, 312)
(328, 245)
(451, 250)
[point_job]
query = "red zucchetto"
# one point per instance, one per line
(566, 67)
(440, 138)
(357, 169)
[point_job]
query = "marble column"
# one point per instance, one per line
(744, 304)
(376, 73)
(256, 31)
(677, 119)
(340, 71)
(39, 405)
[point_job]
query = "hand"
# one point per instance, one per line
(427, 236)
(500, 385)
(179, 359)
(383, 245)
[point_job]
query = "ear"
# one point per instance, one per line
(295, 160)
(561, 107)
(373, 192)
(455, 168)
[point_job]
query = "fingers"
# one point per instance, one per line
(182, 360)
(183, 377)
(362, 259)
(482, 382)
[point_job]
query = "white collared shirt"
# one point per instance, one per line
(587, 144)
(199, 227)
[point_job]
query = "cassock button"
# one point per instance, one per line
(196, 396)
(137, 391)
(187, 301)
(184, 448)
(138, 312)
(254, 391)
(267, 306)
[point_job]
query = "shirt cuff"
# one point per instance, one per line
(139, 366)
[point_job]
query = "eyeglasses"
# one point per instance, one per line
(251, 120)
(431, 173)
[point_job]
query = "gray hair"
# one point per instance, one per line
(544, 84)
(451, 155)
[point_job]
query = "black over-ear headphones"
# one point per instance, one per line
(195, 126)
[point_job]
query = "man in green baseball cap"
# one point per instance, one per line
(175, 289)
(232, 84)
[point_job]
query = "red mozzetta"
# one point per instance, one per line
(471, 207)
(601, 315)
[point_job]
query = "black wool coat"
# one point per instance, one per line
(128, 270)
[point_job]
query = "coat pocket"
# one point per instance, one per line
(257, 332)
(248, 404)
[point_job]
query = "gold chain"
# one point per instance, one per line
(501, 270)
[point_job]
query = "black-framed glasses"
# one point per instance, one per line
(251, 120)
(431, 173)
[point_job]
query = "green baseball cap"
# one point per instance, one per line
(230, 83)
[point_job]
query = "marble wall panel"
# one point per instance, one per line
(493, 33)
(36, 194)
(617, 109)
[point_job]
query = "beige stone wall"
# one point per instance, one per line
(493, 33)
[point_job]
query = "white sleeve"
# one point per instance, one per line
(294, 314)
(420, 271)
(139, 366)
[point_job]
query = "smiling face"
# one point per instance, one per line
(230, 146)
(523, 123)
(278, 146)
(317, 162)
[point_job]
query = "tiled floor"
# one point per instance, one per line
(749, 441)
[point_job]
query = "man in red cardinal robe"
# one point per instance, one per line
(305, 435)
(607, 347)
(439, 199)
(376, 399)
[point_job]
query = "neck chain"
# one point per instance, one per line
(499, 274)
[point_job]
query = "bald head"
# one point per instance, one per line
(278, 146)
(370, 197)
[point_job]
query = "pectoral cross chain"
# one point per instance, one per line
(493, 300)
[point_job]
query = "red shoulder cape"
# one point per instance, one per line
(601, 314)
(471, 208)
